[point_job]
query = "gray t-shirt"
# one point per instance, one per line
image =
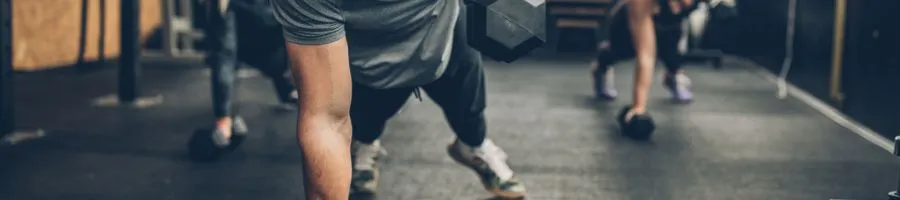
(392, 43)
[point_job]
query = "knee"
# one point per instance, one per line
(331, 107)
(324, 119)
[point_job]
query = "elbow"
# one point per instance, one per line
(332, 116)
(329, 120)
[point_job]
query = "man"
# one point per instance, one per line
(229, 20)
(391, 49)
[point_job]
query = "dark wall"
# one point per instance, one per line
(870, 76)
(872, 65)
(813, 46)
(760, 30)
(763, 28)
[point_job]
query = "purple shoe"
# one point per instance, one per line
(603, 85)
(680, 87)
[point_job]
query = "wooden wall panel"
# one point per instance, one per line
(46, 33)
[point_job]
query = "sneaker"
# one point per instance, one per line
(289, 101)
(239, 131)
(604, 85)
(365, 167)
(489, 162)
(238, 126)
(680, 86)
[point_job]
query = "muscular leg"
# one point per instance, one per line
(460, 92)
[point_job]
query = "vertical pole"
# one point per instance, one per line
(169, 34)
(837, 52)
(129, 68)
(101, 51)
(6, 80)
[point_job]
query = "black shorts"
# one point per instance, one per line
(621, 44)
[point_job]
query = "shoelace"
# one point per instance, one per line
(495, 158)
(366, 154)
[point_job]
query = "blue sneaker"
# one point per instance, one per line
(680, 87)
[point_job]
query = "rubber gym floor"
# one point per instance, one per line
(736, 141)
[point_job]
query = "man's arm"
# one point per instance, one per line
(323, 121)
(314, 33)
(640, 20)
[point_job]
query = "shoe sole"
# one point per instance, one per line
(369, 188)
(672, 90)
(496, 191)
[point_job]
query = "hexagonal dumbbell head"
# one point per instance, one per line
(506, 30)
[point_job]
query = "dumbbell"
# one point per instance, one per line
(506, 30)
(894, 195)
(203, 148)
(639, 126)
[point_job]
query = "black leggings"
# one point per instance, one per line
(222, 34)
(459, 92)
(621, 45)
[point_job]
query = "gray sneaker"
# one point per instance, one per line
(604, 84)
(680, 87)
(365, 167)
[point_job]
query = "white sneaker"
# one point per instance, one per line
(489, 162)
(365, 167)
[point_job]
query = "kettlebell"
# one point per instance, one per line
(639, 126)
(201, 146)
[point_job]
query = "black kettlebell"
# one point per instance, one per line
(639, 127)
(201, 146)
